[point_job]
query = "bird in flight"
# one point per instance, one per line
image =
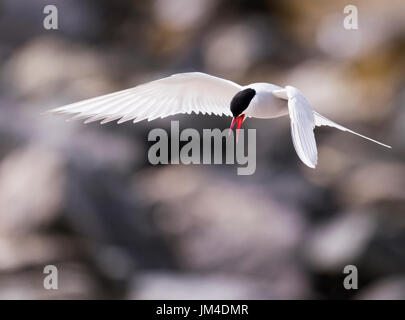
(202, 93)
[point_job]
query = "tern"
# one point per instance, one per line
(202, 93)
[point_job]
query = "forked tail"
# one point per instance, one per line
(322, 121)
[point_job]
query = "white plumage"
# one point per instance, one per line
(179, 93)
(199, 92)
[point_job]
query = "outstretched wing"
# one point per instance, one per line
(179, 93)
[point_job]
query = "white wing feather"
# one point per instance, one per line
(179, 93)
(303, 122)
(302, 130)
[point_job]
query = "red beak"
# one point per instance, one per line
(239, 121)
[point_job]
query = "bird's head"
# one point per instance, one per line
(239, 104)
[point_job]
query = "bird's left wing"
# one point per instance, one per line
(179, 93)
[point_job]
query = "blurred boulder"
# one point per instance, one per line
(213, 222)
(31, 189)
(172, 286)
(192, 15)
(340, 241)
(232, 50)
(374, 182)
(29, 251)
(390, 288)
(74, 282)
(55, 63)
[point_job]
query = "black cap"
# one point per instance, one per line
(241, 101)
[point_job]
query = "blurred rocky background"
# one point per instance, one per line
(85, 199)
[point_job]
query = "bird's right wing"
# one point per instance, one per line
(302, 130)
(302, 123)
(179, 93)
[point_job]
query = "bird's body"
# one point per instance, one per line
(264, 104)
(198, 92)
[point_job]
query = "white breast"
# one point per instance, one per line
(264, 104)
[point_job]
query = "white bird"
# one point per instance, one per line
(199, 92)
